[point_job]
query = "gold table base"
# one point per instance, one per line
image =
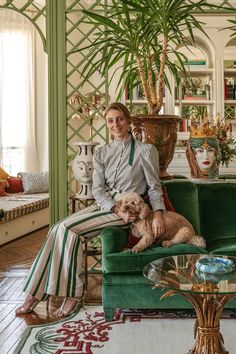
(208, 308)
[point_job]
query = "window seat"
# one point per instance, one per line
(23, 213)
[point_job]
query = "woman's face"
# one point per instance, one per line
(117, 124)
(205, 156)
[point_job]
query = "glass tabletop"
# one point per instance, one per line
(185, 273)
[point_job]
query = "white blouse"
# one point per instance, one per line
(116, 171)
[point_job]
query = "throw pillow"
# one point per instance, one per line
(133, 240)
(3, 185)
(3, 174)
(34, 182)
(15, 185)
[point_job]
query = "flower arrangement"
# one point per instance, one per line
(227, 143)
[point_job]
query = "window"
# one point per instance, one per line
(17, 116)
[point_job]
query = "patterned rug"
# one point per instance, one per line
(139, 332)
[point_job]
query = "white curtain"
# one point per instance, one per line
(17, 92)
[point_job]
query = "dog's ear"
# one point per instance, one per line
(144, 211)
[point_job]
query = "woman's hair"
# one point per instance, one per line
(119, 107)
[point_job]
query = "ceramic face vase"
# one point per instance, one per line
(205, 154)
(83, 168)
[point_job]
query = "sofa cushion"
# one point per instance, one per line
(218, 213)
(14, 185)
(3, 185)
(184, 197)
(35, 182)
(223, 246)
(3, 173)
(127, 261)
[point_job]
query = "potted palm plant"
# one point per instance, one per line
(142, 38)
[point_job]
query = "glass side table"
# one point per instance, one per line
(208, 293)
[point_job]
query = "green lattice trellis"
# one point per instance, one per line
(81, 124)
(230, 112)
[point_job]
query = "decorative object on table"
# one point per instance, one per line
(89, 106)
(83, 168)
(215, 265)
(138, 40)
(213, 278)
(203, 151)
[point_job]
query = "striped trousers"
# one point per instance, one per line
(58, 265)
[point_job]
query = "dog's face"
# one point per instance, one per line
(133, 204)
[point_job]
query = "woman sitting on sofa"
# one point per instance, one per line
(124, 165)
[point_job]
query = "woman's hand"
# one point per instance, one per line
(158, 225)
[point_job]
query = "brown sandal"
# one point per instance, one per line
(62, 312)
(28, 306)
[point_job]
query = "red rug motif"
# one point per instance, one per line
(89, 333)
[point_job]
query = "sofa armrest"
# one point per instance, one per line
(114, 239)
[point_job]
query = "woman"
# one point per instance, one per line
(124, 165)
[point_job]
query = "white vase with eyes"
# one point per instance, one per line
(83, 168)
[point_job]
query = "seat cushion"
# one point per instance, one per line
(127, 261)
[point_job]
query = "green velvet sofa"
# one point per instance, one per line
(209, 206)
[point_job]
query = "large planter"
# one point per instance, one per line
(83, 168)
(160, 131)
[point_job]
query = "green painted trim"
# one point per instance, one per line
(8, 7)
(56, 49)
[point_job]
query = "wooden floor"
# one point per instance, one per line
(16, 258)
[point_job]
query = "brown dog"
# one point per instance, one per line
(177, 228)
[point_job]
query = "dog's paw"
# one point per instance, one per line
(166, 244)
(136, 249)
